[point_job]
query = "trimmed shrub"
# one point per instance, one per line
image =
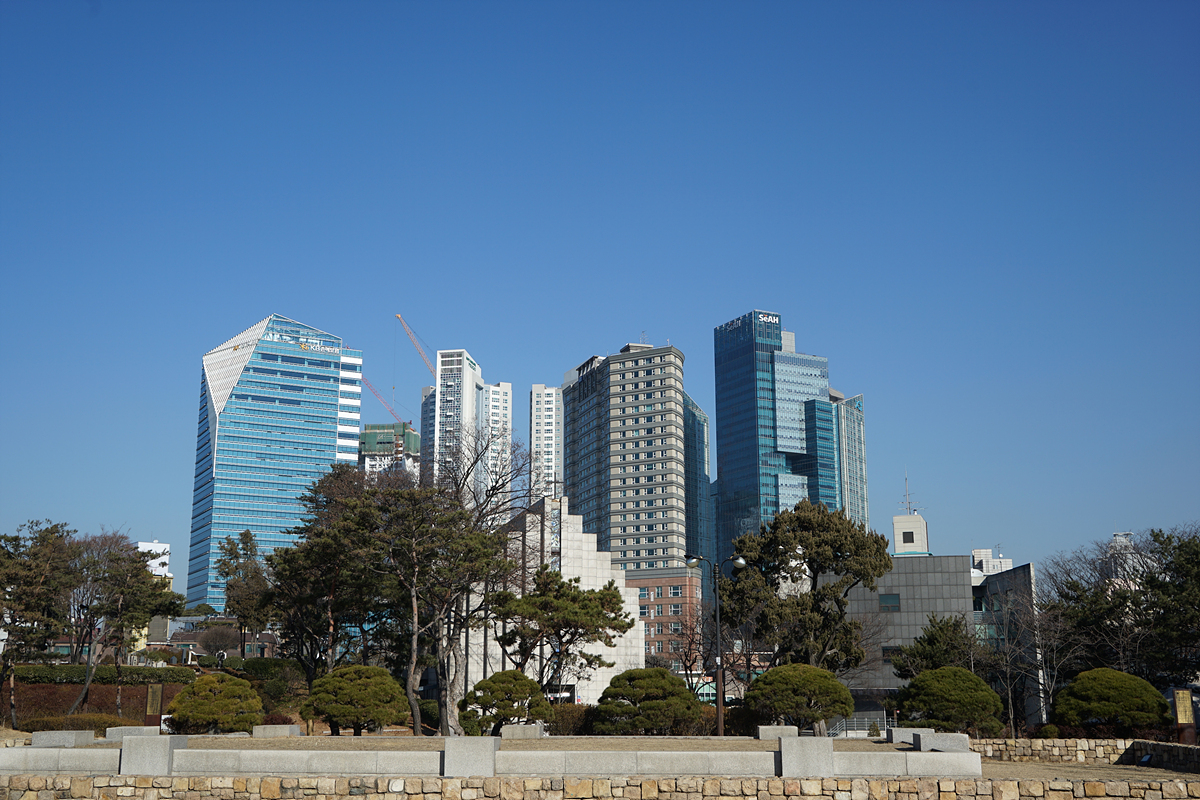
(105, 674)
(873, 730)
(504, 697)
(1048, 732)
(645, 701)
(234, 662)
(1106, 697)
(949, 699)
(572, 719)
(797, 694)
(96, 723)
(431, 716)
(275, 718)
(356, 697)
(208, 662)
(216, 703)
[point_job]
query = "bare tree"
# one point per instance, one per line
(488, 473)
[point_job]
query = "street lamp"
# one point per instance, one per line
(738, 562)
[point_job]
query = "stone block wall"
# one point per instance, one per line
(1079, 751)
(19, 740)
(65, 787)
(1179, 757)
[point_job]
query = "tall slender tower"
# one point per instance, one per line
(279, 404)
(545, 441)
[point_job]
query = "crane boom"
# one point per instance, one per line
(379, 397)
(413, 337)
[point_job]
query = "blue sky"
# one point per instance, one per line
(984, 214)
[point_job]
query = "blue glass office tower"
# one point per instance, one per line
(777, 428)
(279, 404)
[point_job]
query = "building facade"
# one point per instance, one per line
(625, 468)
(780, 430)
(545, 441)
(466, 424)
(382, 447)
(279, 404)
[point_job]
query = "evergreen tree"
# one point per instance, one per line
(943, 642)
(797, 694)
(645, 701)
(355, 697)
(506, 697)
(1106, 697)
(951, 699)
(794, 590)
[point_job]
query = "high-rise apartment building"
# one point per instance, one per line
(626, 469)
(782, 434)
(545, 441)
(465, 423)
(279, 404)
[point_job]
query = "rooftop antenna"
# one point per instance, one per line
(907, 504)
(643, 339)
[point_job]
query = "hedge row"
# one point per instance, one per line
(105, 674)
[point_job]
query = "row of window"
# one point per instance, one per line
(674, 609)
(647, 592)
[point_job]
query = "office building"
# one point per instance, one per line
(625, 430)
(466, 424)
(698, 503)
(545, 441)
(383, 447)
(279, 404)
(782, 434)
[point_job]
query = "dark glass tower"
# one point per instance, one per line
(777, 428)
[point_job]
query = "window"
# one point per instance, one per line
(658, 610)
(657, 589)
(643, 611)
(889, 653)
(889, 602)
(644, 592)
(908, 537)
(676, 591)
(676, 609)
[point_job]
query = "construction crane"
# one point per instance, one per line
(379, 397)
(413, 336)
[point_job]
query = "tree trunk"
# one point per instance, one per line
(410, 685)
(450, 680)
(87, 681)
(12, 695)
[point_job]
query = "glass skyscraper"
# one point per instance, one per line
(778, 428)
(279, 404)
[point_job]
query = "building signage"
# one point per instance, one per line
(319, 348)
(774, 318)
(1183, 707)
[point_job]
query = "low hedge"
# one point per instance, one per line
(105, 674)
(265, 669)
(96, 723)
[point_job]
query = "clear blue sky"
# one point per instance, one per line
(986, 215)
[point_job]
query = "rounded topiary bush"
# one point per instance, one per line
(1048, 732)
(504, 697)
(216, 703)
(1106, 697)
(356, 697)
(645, 701)
(797, 694)
(950, 699)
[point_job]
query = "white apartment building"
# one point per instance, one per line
(461, 415)
(546, 441)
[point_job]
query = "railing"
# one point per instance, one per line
(843, 726)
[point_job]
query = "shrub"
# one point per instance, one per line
(873, 731)
(234, 662)
(104, 674)
(275, 718)
(216, 703)
(431, 716)
(572, 719)
(1106, 697)
(949, 699)
(646, 701)
(504, 697)
(356, 697)
(96, 723)
(275, 689)
(1048, 732)
(797, 694)
(208, 662)
(265, 669)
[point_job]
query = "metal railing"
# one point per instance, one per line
(844, 726)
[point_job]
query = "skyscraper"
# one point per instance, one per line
(625, 431)
(466, 424)
(779, 429)
(545, 441)
(390, 446)
(279, 404)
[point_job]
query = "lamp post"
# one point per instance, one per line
(738, 562)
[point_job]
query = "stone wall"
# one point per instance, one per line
(16, 740)
(41, 787)
(1179, 757)
(1079, 751)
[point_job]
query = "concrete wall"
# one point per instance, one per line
(62, 787)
